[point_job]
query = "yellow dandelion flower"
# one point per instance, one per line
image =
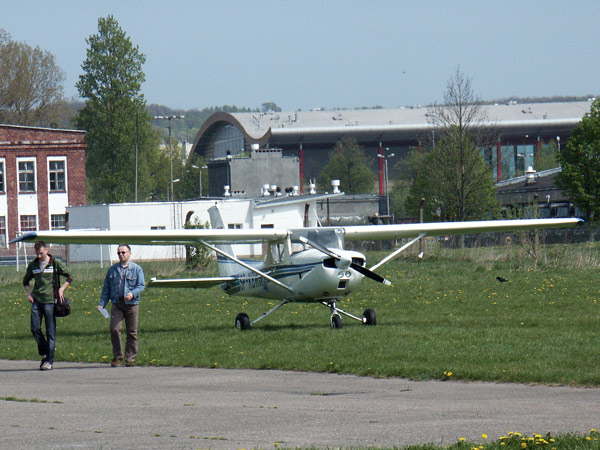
(484, 436)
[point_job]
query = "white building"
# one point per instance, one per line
(280, 212)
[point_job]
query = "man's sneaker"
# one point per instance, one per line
(130, 363)
(43, 361)
(46, 366)
(116, 362)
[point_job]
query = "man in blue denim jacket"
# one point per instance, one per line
(123, 284)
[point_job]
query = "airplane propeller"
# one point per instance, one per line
(344, 261)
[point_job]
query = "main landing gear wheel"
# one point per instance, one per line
(242, 322)
(369, 317)
(336, 321)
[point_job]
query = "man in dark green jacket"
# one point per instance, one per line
(41, 270)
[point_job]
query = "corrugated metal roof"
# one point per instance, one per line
(257, 124)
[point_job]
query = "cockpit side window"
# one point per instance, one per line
(279, 252)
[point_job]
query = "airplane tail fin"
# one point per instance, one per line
(226, 266)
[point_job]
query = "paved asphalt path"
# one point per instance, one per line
(94, 406)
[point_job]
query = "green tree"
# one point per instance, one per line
(404, 173)
(548, 158)
(454, 180)
(192, 174)
(114, 118)
(31, 90)
(580, 162)
(270, 106)
(197, 257)
(349, 164)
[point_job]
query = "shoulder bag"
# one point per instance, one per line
(62, 308)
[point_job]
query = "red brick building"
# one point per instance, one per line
(42, 171)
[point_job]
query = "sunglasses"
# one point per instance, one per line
(122, 253)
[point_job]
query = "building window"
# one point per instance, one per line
(3, 231)
(228, 138)
(158, 227)
(28, 223)
(2, 189)
(57, 176)
(58, 221)
(26, 176)
(235, 226)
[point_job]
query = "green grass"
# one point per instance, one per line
(445, 317)
(512, 441)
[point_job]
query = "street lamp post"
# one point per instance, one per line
(137, 137)
(170, 149)
(386, 178)
(199, 177)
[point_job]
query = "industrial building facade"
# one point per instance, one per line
(524, 132)
(42, 171)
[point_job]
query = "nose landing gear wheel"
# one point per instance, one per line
(369, 317)
(336, 321)
(242, 321)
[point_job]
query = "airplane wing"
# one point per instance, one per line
(398, 231)
(189, 282)
(155, 237)
(243, 236)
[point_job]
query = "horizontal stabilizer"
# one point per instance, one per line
(189, 282)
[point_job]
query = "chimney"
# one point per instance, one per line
(530, 175)
(335, 184)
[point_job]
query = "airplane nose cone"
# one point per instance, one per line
(343, 263)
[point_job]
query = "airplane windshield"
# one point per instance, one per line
(328, 237)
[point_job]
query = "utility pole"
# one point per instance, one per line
(170, 150)
(137, 135)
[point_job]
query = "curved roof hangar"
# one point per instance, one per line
(235, 132)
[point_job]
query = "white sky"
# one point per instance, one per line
(328, 53)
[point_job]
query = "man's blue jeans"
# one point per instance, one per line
(47, 344)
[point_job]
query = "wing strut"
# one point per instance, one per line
(247, 266)
(396, 252)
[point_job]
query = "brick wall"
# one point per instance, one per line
(41, 143)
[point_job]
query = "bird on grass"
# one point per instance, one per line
(501, 280)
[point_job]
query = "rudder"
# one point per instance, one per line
(226, 266)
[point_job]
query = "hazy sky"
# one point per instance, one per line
(305, 54)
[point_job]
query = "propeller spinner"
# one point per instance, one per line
(344, 263)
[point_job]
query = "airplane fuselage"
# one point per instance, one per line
(311, 275)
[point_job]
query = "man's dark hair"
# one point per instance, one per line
(124, 245)
(39, 244)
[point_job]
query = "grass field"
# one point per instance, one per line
(445, 317)
(514, 441)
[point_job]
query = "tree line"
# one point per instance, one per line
(125, 161)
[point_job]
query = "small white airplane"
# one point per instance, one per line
(301, 265)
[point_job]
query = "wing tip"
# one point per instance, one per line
(25, 237)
